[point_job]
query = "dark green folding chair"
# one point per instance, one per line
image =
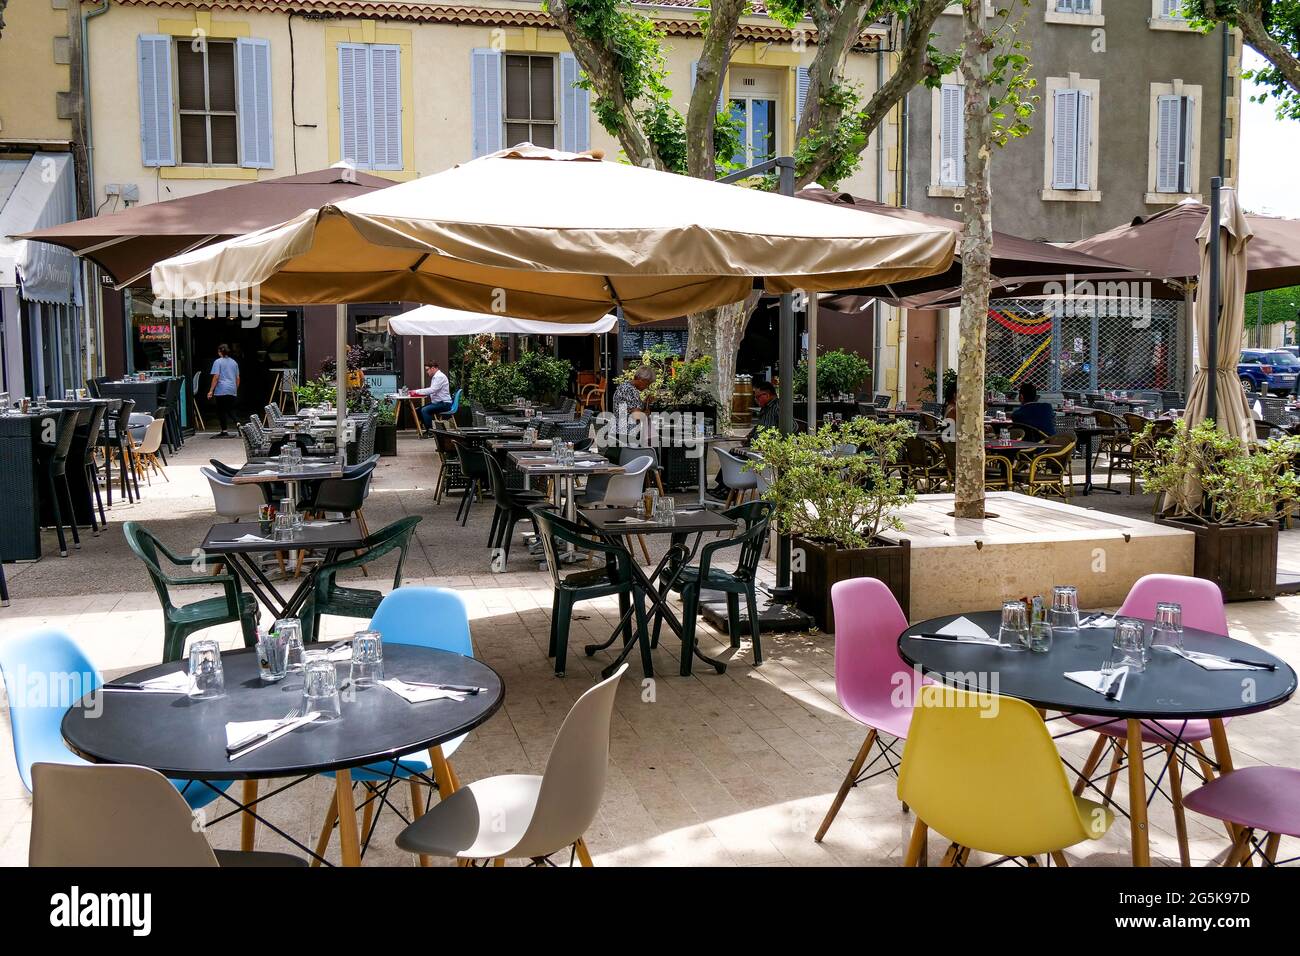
(568, 589)
(329, 597)
(179, 622)
(754, 517)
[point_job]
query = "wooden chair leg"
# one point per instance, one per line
(1240, 848)
(417, 810)
(850, 779)
(248, 822)
(1090, 765)
(1176, 797)
(644, 550)
(584, 855)
(916, 847)
(1271, 845)
(368, 815)
(1059, 859)
(331, 817)
(1113, 774)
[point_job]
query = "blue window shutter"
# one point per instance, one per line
(575, 106)
(256, 132)
(800, 93)
(157, 140)
(386, 106)
(354, 104)
(485, 100)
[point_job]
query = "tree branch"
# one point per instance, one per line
(719, 43)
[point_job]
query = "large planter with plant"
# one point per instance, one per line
(838, 508)
(839, 373)
(1228, 493)
(386, 428)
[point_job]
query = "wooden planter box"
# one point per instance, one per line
(1240, 559)
(386, 441)
(824, 564)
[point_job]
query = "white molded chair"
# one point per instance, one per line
(525, 816)
(120, 815)
(623, 491)
(144, 451)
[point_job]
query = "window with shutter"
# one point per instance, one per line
(370, 105)
(1172, 9)
(575, 106)
(1174, 132)
(485, 100)
(154, 75)
(1083, 141)
(1071, 139)
(952, 135)
(800, 93)
(256, 131)
(530, 115)
(206, 101)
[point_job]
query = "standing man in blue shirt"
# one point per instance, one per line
(224, 388)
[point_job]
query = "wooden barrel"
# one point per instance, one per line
(742, 400)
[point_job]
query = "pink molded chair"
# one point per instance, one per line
(873, 683)
(1202, 604)
(1253, 798)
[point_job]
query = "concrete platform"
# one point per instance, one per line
(1032, 544)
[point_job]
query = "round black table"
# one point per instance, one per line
(186, 739)
(1171, 688)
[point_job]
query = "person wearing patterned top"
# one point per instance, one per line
(628, 399)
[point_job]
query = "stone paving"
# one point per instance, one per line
(736, 769)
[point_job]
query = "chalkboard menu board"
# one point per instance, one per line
(636, 341)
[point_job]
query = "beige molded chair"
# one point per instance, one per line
(525, 816)
(145, 454)
(120, 815)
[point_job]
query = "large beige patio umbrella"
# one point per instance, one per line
(563, 237)
(1234, 235)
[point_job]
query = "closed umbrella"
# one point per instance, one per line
(1233, 414)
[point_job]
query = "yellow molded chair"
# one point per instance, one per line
(983, 771)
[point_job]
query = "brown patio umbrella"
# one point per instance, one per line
(1236, 245)
(1011, 256)
(563, 237)
(126, 244)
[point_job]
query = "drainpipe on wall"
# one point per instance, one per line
(92, 298)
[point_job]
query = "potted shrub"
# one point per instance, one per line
(837, 507)
(839, 376)
(1228, 493)
(386, 428)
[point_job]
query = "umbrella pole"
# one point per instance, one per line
(340, 374)
(812, 360)
(1212, 347)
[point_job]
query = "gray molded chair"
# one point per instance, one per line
(526, 816)
(738, 482)
(121, 815)
(622, 491)
(230, 500)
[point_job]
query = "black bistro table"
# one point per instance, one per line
(223, 541)
(186, 739)
(1171, 689)
(610, 525)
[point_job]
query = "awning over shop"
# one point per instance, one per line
(36, 193)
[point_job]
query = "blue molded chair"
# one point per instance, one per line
(66, 675)
(424, 617)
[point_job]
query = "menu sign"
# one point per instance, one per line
(637, 341)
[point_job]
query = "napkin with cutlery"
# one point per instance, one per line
(961, 631)
(419, 693)
(244, 539)
(1107, 683)
(177, 682)
(1213, 662)
(245, 736)
(339, 652)
(1099, 620)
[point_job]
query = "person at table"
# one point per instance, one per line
(950, 402)
(439, 393)
(1032, 412)
(769, 416)
(629, 407)
(224, 389)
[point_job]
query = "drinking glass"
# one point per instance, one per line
(1129, 647)
(666, 510)
(1013, 635)
(69, 394)
(1064, 615)
(1040, 637)
(290, 628)
(283, 527)
(652, 503)
(207, 676)
(367, 658)
(320, 690)
(273, 656)
(1004, 435)
(1168, 630)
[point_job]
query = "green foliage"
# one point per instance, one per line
(999, 383)
(534, 376)
(845, 141)
(386, 411)
(1280, 20)
(1280, 306)
(1239, 484)
(676, 382)
(844, 499)
(317, 391)
(949, 379)
(837, 372)
(1011, 102)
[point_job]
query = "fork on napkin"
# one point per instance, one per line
(177, 682)
(245, 736)
(417, 693)
(1110, 684)
(1213, 662)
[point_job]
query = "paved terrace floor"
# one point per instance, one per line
(735, 769)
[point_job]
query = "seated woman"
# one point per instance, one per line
(1032, 412)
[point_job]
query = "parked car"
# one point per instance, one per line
(1272, 367)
